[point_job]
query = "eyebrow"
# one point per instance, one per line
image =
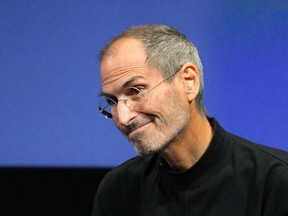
(125, 85)
(131, 80)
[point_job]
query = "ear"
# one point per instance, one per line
(191, 78)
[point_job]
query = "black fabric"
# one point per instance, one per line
(233, 177)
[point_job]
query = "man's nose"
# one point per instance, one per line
(125, 113)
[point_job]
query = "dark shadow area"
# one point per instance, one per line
(48, 191)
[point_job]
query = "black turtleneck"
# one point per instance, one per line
(233, 177)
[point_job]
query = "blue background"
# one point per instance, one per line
(49, 73)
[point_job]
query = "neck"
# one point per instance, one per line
(188, 149)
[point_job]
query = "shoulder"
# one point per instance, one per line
(254, 161)
(122, 185)
(130, 172)
(260, 163)
(244, 151)
(263, 167)
(264, 153)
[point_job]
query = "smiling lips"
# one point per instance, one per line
(128, 130)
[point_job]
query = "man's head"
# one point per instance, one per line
(166, 49)
(152, 83)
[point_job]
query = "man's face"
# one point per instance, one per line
(164, 114)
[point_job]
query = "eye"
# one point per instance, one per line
(135, 91)
(111, 101)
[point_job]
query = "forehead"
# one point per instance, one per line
(125, 59)
(125, 49)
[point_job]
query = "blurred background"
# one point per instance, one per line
(49, 85)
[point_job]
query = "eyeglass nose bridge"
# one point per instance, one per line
(126, 102)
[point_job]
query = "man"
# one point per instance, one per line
(152, 85)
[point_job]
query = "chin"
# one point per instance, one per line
(142, 153)
(144, 149)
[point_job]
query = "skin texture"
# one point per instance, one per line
(168, 122)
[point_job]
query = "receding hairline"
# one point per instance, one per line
(112, 50)
(140, 33)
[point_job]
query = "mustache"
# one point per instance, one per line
(128, 129)
(134, 125)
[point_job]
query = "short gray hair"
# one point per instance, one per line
(167, 50)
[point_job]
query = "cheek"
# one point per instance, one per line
(161, 97)
(159, 107)
(154, 105)
(159, 103)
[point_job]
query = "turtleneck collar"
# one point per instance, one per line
(205, 168)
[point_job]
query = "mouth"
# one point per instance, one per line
(132, 131)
